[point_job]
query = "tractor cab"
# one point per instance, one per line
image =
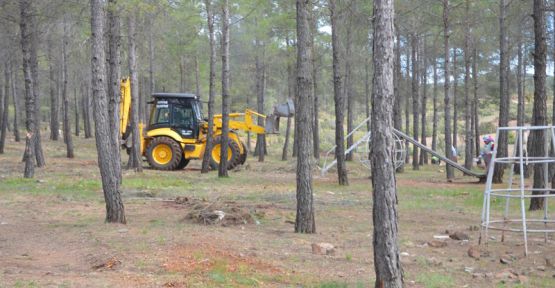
(181, 112)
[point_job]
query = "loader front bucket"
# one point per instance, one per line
(286, 109)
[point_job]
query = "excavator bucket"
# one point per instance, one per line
(286, 109)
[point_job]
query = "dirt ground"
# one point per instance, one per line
(52, 232)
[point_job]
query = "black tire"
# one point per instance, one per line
(161, 161)
(243, 157)
(235, 154)
(184, 162)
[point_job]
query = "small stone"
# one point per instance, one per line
(489, 274)
(492, 238)
(541, 268)
(323, 249)
(477, 275)
(474, 252)
(437, 244)
(459, 236)
(405, 254)
(123, 230)
(468, 269)
(441, 237)
(504, 260)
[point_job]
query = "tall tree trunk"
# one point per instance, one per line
(520, 92)
(114, 78)
(76, 107)
(15, 105)
(348, 93)
(86, 102)
(415, 98)
(315, 112)
(39, 155)
(304, 222)
(135, 155)
(260, 66)
(397, 113)
(27, 29)
(106, 161)
(65, 98)
(504, 100)
(448, 140)
(539, 113)
(387, 264)
(407, 105)
(5, 107)
(290, 95)
(434, 101)
(338, 97)
(424, 77)
(197, 78)
(54, 105)
(455, 100)
(211, 88)
(476, 100)
(182, 80)
(222, 171)
(367, 96)
(468, 141)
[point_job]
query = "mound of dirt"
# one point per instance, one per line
(224, 213)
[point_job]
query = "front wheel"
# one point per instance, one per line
(164, 153)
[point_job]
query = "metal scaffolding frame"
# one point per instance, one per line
(520, 191)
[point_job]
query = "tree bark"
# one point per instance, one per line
(304, 222)
(504, 100)
(338, 97)
(114, 78)
(135, 162)
(455, 100)
(434, 101)
(5, 108)
(106, 161)
(315, 110)
(387, 264)
(87, 111)
(475, 109)
(54, 105)
(15, 105)
(26, 24)
(77, 116)
(424, 77)
(260, 66)
(447, 97)
(197, 78)
(539, 113)
(415, 98)
(290, 95)
(211, 87)
(65, 98)
(37, 144)
(468, 139)
(348, 93)
(407, 106)
(222, 171)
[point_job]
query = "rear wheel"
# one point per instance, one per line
(164, 153)
(233, 153)
(243, 157)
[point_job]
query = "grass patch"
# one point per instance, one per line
(435, 280)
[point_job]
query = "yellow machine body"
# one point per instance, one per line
(191, 148)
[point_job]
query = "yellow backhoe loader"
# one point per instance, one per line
(176, 132)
